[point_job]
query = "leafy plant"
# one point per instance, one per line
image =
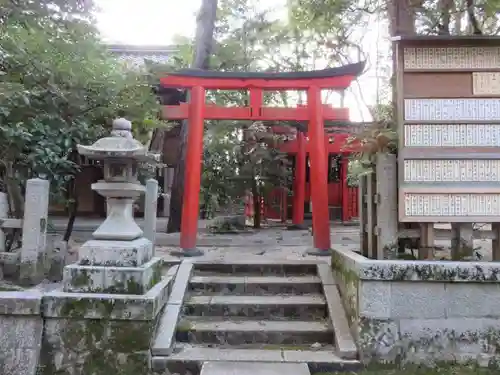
(59, 87)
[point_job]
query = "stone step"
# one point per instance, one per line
(254, 368)
(255, 285)
(266, 267)
(276, 307)
(240, 332)
(188, 359)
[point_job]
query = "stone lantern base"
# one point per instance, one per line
(103, 319)
(125, 267)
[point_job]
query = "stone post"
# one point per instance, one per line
(4, 211)
(32, 256)
(150, 207)
(387, 206)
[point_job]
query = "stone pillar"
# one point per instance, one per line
(371, 216)
(363, 215)
(168, 180)
(32, 256)
(4, 213)
(150, 208)
(387, 206)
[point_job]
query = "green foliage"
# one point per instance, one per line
(59, 87)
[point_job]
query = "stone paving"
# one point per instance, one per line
(272, 243)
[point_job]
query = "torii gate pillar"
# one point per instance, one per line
(319, 177)
(192, 170)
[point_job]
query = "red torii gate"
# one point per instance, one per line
(315, 113)
(337, 143)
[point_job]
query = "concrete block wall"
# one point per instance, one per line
(421, 311)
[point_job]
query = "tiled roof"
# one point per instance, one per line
(134, 55)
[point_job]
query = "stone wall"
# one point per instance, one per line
(420, 311)
(53, 332)
(21, 327)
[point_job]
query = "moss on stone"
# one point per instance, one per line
(80, 307)
(438, 369)
(130, 286)
(98, 347)
(184, 326)
(129, 336)
(80, 277)
(31, 273)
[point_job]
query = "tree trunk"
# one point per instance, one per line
(203, 48)
(445, 8)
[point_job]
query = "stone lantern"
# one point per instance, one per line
(117, 284)
(121, 154)
(118, 243)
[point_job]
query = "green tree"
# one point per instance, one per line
(59, 87)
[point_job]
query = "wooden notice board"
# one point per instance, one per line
(448, 113)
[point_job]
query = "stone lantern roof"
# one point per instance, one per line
(120, 144)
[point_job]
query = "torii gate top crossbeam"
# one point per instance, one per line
(332, 78)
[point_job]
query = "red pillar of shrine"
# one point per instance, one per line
(299, 187)
(192, 178)
(319, 177)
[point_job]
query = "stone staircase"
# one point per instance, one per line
(267, 312)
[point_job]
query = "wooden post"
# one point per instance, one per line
(191, 199)
(319, 177)
(426, 250)
(371, 213)
(4, 214)
(344, 167)
(495, 243)
(462, 242)
(387, 206)
(299, 195)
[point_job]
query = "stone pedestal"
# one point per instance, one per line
(103, 319)
(100, 333)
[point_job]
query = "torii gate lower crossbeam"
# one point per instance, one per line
(198, 81)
